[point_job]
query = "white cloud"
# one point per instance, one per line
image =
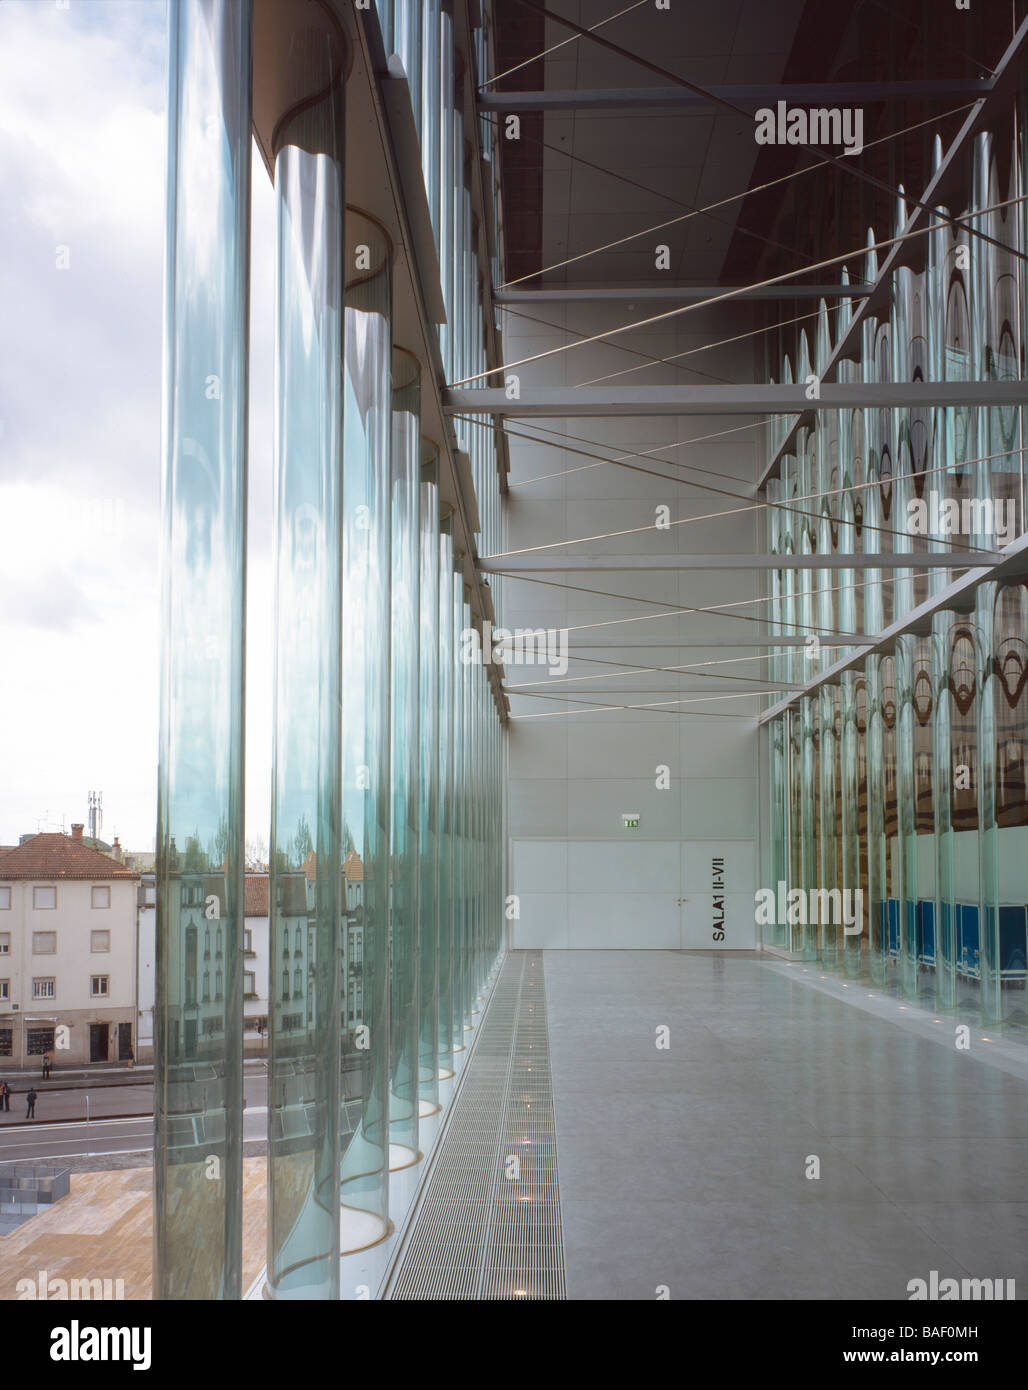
(82, 159)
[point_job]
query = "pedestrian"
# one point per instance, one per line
(46, 1066)
(5, 1096)
(30, 1113)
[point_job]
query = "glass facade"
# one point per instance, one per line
(198, 1097)
(305, 861)
(429, 916)
(367, 545)
(900, 775)
(385, 876)
(405, 1008)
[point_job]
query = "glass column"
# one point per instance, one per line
(905, 880)
(428, 820)
(945, 849)
(988, 828)
(446, 857)
(304, 881)
(1010, 697)
(467, 833)
(431, 104)
(877, 857)
(849, 801)
(457, 763)
(829, 920)
(405, 1016)
(198, 1065)
(364, 1109)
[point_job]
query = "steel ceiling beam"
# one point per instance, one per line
(683, 294)
(731, 399)
(888, 560)
(827, 639)
(802, 94)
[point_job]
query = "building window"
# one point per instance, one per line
(6, 1042)
(5, 899)
(5, 943)
(99, 941)
(298, 982)
(44, 943)
(219, 984)
(38, 1041)
(250, 984)
(44, 989)
(218, 943)
(44, 898)
(206, 987)
(98, 986)
(206, 943)
(285, 982)
(100, 896)
(211, 1027)
(5, 990)
(248, 942)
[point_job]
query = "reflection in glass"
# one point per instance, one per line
(198, 1043)
(304, 884)
(405, 1020)
(428, 784)
(367, 419)
(447, 686)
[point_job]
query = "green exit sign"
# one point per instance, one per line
(630, 820)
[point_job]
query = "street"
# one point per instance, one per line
(31, 1143)
(61, 1128)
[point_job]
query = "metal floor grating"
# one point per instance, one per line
(488, 1223)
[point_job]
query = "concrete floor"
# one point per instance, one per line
(685, 1167)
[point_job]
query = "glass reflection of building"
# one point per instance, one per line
(930, 817)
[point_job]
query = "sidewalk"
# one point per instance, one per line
(101, 1075)
(69, 1104)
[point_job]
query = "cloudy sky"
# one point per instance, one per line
(82, 135)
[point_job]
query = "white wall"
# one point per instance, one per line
(582, 880)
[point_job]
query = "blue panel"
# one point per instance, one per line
(894, 928)
(1013, 941)
(967, 939)
(926, 932)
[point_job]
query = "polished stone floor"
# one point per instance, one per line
(685, 1167)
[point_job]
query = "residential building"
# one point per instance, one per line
(67, 952)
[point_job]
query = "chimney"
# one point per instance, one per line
(116, 850)
(77, 828)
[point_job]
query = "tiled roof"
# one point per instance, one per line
(255, 895)
(55, 856)
(255, 886)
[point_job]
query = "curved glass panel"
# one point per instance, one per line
(405, 1019)
(304, 877)
(198, 1067)
(367, 485)
(428, 785)
(447, 895)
